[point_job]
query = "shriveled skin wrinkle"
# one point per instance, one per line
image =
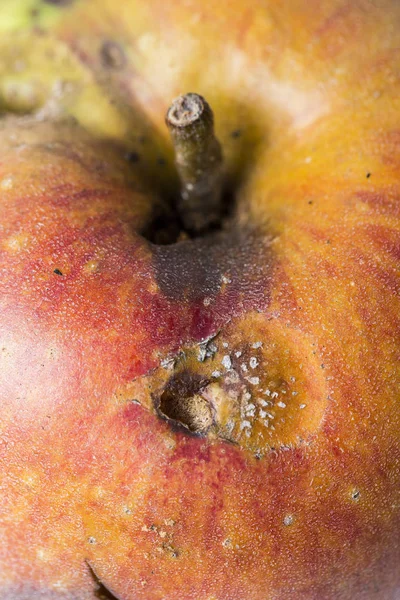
(290, 322)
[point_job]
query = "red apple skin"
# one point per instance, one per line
(95, 483)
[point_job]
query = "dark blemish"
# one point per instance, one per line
(57, 272)
(328, 241)
(187, 270)
(92, 540)
(132, 157)
(368, 175)
(193, 269)
(236, 134)
(356, 495)
(112, 55)
(161, 161)
(310, 202)
(322, 366)
(181, 403)
(58, 2)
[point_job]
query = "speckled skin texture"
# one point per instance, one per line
(294, 492)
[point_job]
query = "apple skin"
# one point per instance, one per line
(95, 482)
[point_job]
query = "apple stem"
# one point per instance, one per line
(198, 158)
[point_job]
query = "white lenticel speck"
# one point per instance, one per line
(253, 362)
(226, 362)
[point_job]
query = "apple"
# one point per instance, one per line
(200, 410)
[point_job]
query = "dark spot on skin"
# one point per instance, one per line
(181, 402)
(236, 134)
(112, 55)
(132, 157)
(368, 175)
(57, 272)
(356, 495)
(193, 269)
(310, 202)
(161, 161)
(58, 2)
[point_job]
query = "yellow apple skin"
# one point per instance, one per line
(301, 499)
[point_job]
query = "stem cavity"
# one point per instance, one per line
(198, 158)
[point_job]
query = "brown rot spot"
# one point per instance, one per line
(181, 402)
(112, 55)
(132, 157)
